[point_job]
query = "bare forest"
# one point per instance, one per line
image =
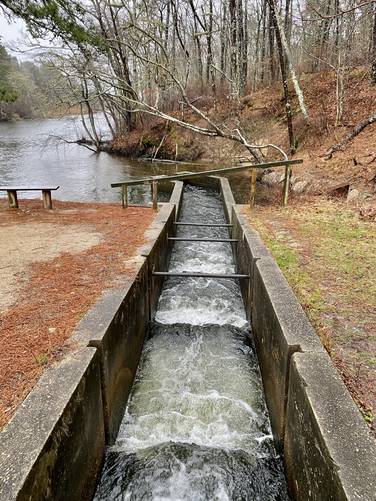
(177, 60)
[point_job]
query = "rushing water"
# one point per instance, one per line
(196, 426)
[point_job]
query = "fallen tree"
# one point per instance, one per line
(356, 130)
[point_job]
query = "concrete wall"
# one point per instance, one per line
(176, 197)
(280, 328)
(53, 447)
(329, 454)
(227, 197)
(116, 326)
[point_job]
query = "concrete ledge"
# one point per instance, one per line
(280, 328)
(227, 197)
(177, 196)
(329, 452)
(157, 252)
(117, 325)
(248, 250)
(53, 447)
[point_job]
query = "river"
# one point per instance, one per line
(32, 154)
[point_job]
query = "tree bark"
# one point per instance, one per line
(282, 65)
(373, 59)
(295, 81)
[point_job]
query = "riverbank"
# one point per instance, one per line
(53, 266)
(261, 117)
(327, 253)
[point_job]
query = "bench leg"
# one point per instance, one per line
(47, 199)
(12, 199)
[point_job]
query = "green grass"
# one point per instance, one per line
(41, 358)
(307, 290)
(347, 246)
(328, 255)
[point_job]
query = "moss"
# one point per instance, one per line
(148, 142)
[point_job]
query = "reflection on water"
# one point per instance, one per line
(31, 153)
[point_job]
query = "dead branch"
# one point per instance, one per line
(78, 141)
(357, 130)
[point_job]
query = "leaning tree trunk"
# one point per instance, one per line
(356, 130)
(279, 27)
(373, 58)
(282, 65)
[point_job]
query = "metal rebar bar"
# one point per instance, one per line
(212, 225)
(179, 239)
(193, 274)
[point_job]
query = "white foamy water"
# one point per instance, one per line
(196, 385)
(201, 301)
(196, 427)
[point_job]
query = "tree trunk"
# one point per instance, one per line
(263, 41)
(271, 44)
(373, 60)
(233, 47)
(279, 27)
(282, 65)
(356, 130)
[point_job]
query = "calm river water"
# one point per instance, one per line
(31, 154)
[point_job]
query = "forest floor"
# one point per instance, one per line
(328, 254)
(53, 266)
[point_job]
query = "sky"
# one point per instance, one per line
(13, 35)
(11, 32)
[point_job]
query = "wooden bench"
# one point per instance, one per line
(12, 194)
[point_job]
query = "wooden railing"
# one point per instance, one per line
(153, 180)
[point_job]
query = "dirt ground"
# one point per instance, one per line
(328, 254)
(53, 266)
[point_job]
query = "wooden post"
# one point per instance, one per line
(286, 185)
(47, 199)
(124, 196)
(252, 196)
(12, 199)
(154, 194)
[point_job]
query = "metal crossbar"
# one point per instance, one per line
(179, 239)
(211, 225)
(187, 274)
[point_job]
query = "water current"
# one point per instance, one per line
(196, 425)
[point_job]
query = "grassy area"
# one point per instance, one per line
(328, 255)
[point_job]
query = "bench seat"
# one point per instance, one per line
(12, 194)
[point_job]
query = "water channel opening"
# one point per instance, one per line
(196, 424)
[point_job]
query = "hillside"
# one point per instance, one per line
(351, 172)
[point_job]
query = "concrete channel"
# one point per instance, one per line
(54, 446)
